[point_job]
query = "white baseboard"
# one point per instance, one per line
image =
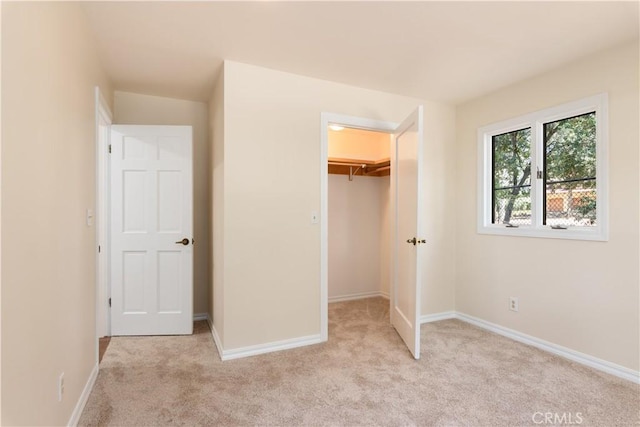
(567, 353)
(360, 295)
(84, 397)
(427, 318)
(584, 359)
(216, 337)
(200, 316)
(254, 350)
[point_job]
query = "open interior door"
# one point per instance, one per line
(407, 149)
(151, 230)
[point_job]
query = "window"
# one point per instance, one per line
(544, 174)
(511, 178)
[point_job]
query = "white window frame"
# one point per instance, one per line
(535, 121)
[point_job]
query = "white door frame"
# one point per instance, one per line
(103, 115)
(352, 122)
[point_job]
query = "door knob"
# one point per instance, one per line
(415, 241)
(184, 241)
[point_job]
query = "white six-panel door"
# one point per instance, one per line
(151, 230)
(406, 295)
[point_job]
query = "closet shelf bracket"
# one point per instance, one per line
(353, 172)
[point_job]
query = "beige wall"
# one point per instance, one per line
(48, 178)
(271, 186)
(439, 207)
(578, 294)
(216, 131)
(132, 108)
(356, 211)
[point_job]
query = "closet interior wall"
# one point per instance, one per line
(359, 218)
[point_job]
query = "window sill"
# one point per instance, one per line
(571, 233)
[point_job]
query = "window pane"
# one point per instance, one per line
(570, 171)
(511, 176)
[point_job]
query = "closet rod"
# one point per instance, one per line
(358, 164)
(345, 164)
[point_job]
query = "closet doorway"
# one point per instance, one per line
(359, 213)
(405, 206)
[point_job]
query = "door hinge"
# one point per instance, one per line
(109, 302)
(109, 148)
(99, 249)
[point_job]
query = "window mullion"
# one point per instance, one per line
(537, 190)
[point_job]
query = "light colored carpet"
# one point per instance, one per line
(362, 376)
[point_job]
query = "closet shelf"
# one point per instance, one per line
(342, 166)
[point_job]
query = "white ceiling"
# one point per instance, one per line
(444, 51)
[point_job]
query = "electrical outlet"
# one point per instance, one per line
(60, 387)
(513, 303)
